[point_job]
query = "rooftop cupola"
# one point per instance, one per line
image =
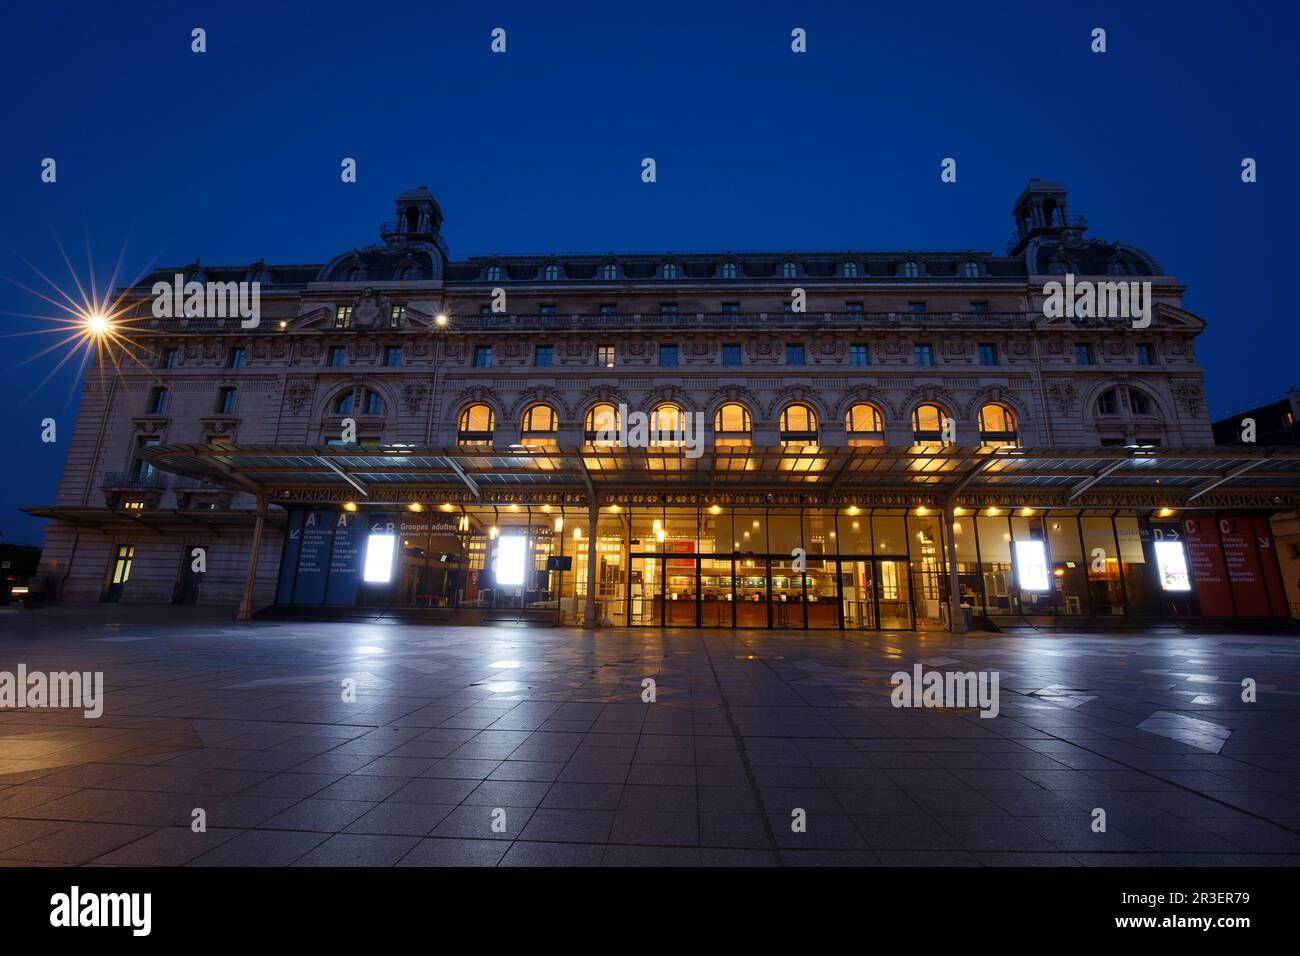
(418, 219)
(1041, 211)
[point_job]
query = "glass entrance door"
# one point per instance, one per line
(682, 595)
(858, 580)
(645, 605)
(717, 600)
(893, 595)
(787, 595)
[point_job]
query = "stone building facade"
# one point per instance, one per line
(418, 349)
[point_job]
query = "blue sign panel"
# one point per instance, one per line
(314, 557)
(289, 558)
(345, 559)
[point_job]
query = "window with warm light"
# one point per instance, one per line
(477, 423)
(798, 425)
(539, 426)
(864, 425)
(666, 424)
(731, 425)
(601, 424)
(998, 427)
(927, 424)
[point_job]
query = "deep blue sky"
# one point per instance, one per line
(234, 154)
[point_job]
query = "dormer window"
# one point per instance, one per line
(551, 273)
(911, 269)
(670, 270)
(609, 271)
(1058, 268)
(493, 274)
(849, 270)
(728, 270)
(789, 270)
(970, 269)
(1116, 267)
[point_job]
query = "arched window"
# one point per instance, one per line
(1116, 267)
(1139, 403)
(539, 425)
(551, 273)
(798, 425)
(998, 427)
(731, 425)
(602, 424)
(970, 269)
(849, 270)
(411, 273)
(609, 271)
(493, 274)
(667, 422)
(927, 424)
(1108, 402)
(343, 404)
(864, 425)
(357, 274)
(728, 270)
(911, 269)
(1058, 268)
(476, 425)
(789, 270)
(374, 404)
(670, 270)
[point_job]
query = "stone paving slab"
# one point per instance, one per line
(494, 746)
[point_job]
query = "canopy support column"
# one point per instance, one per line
(589, 612)
(246, 605)
(956, 619)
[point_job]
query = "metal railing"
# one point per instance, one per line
(125, 481)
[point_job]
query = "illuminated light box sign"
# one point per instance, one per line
(511, 552)
(1031, 566)
(380, 549)
(1171, 560)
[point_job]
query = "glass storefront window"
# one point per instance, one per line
(929, 588)
(995, 562)
(968, 570)
(1105, 583)
(750, 531)
(715, 530)
(889, 533)
(1069, 568)
(784, 531)
(819, 531)
(854, 527)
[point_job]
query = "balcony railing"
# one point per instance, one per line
(747, 320)
(124, 481)
(633, 321)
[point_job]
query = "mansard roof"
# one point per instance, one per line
(1047, 241)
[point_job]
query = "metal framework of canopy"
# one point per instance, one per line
(1202, 478)
(900, 476)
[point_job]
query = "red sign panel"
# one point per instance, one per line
(1272, 571)
(1208, 570)
(1242, 560)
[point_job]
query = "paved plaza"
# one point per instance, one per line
(482, 746)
